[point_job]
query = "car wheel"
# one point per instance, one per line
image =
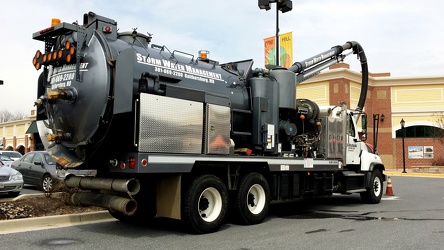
(47, 183)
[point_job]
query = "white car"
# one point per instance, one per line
(6, 160)
(14, 155)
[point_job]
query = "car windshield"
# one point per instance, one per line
(11, 154)
(5, 158)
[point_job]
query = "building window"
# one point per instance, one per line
(421, 131)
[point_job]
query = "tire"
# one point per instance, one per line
(252, 199)
(14, 194)
(47, 183)
(205, 204)
(374, 193)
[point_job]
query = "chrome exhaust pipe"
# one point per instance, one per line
(129, 186)
(116, 203)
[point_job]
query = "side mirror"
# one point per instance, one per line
(363, 133)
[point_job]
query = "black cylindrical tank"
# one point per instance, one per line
(287, 87)
(109, 86)
(265, 96)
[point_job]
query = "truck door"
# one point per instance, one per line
(353, 142)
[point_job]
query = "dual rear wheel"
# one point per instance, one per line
(205, 203)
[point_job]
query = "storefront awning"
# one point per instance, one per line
(32, 128)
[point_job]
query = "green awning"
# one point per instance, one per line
(32, 128)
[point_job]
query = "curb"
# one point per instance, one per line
(24, 196)
(396, 173)
(31, 224)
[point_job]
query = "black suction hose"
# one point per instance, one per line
(357, 49)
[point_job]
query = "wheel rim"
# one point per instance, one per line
(256, 199)
(210, 204)
(377, 186)
(47, 184)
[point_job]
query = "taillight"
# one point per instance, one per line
(132, 162)
(144, 162)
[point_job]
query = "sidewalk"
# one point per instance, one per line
(412, 173)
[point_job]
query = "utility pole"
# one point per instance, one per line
(281, 5)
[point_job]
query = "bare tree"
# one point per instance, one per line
(7, 116)
(439, 133)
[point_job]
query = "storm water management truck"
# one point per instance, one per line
(189, 138)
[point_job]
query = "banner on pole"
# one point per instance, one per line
(285, 50)
(270, 50)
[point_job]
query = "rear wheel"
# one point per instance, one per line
(46, 184)
(205, 204)
(373, 194)
(252, 199)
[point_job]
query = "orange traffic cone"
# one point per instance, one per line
(389, 190)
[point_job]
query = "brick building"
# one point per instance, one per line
(419, 101)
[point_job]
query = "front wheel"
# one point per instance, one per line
(252, 199)
(373, 194)
(205, 204)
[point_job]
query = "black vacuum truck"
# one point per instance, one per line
(181, 136)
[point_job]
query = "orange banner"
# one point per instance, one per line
(285, 50)
(270, 51)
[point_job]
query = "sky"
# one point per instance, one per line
(405, 38)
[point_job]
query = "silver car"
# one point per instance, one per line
(11, 181)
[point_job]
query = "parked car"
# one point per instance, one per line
(14, 155)
(39, 169)
(6, 160)
(11, 181)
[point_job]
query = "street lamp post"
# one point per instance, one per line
(281, 5)
(403, 147)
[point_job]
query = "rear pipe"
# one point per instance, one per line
(129, 186)
(113, 202)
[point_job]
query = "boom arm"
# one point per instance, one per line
(313, 65)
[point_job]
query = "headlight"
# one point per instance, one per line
(61, 173)
(16, 177)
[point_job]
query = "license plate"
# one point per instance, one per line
(2, 185)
